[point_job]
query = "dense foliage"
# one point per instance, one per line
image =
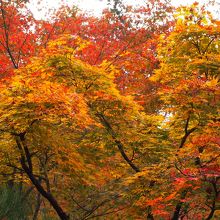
(111, 117)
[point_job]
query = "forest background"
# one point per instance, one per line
(110, 117)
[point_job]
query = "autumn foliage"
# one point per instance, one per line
(111, 117)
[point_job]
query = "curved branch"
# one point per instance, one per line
(119, 144)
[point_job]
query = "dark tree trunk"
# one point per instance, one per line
(28, 169)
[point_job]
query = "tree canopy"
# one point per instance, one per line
(111, 117)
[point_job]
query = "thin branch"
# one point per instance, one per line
(107, 213)
(7, 38)
(117, 142)
(94, 209)
(208, 45)
(187, 132)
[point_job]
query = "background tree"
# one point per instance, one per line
(189, 90)
(111, 117)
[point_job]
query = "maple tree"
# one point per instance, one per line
(115, 117)
(16, 36)
(65, 92)
(189, 89)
